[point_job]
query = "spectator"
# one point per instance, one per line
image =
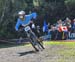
(73, 26)
(62, 32)
(68, 24)
(38, 29)
(58, 23)
(49, 27)
(45, 28)
(53, 32)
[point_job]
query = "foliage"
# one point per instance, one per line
(51, 10)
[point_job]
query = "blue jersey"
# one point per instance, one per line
(25, 21)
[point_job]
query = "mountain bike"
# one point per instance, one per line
(36, 43)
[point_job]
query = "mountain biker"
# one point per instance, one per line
(24, 19)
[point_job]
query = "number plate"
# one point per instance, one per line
(27, 28)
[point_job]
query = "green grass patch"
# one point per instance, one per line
(66, 52)
(71, 44)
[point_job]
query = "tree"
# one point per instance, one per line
(51, 10)
(70, 8)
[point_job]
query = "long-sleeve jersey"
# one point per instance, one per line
(26, 20)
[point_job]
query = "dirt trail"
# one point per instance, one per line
(27, 54)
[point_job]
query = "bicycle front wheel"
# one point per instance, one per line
(36, 44)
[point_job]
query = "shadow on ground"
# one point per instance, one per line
(28, 52)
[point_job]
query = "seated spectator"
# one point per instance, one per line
(53, 32)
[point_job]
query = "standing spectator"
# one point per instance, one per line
(38, 29)
(45, 28)
(49, 27)
(58, 23)
(68, 24)
(73, 26)
(59, 31)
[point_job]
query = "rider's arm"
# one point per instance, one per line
(33, 15)
(17, 25)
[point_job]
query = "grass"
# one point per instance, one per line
(71, 44)
(66, 52)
